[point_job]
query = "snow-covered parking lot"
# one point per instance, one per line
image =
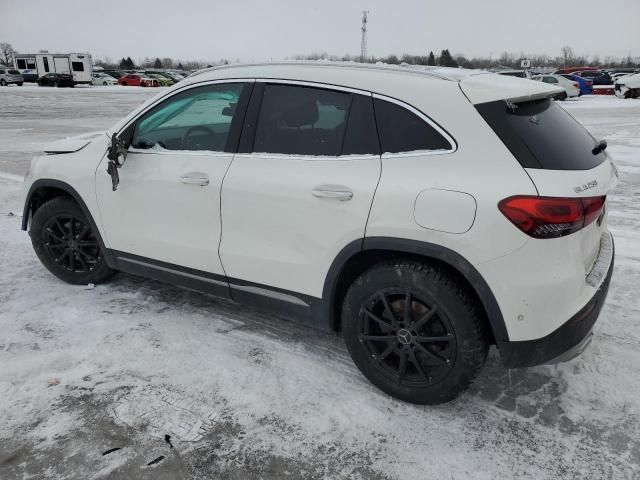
(99, 382)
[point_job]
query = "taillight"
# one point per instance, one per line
(551, 217)
(575, 84)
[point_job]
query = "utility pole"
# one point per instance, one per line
(363, 43)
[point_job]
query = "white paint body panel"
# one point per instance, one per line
(276, 232)
(154, 214)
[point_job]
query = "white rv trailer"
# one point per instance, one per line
(77, 64)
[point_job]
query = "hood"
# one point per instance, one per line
(483, 87)
(71, 144)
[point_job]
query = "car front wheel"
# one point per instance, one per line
(66, 244)
(3, 83)
(414, 331)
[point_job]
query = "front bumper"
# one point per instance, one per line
(567, 341)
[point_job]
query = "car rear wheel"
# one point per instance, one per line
(414, 331)
(3, 83)
(66, 244)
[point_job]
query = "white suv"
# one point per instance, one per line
(424, 214)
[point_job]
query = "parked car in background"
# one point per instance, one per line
(103, 79)
(113, 73)
(176, 77)
(571, 88)
(425, 216)
(573, 69)
(56, 80)
(9, 76)
(137, 80)
(628, 86)
(30, 76)
(515, 73)
(615, 76)
(598, 77)
(164, 81)
(586, 85)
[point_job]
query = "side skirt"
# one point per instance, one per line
(283, 303)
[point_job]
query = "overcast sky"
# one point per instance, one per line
(275, 29)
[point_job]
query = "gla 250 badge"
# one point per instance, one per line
(586, 186)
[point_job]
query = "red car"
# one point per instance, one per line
(135, 80)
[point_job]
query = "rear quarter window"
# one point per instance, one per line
(401, 130)
(541, 134)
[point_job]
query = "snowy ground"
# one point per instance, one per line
(83, 371)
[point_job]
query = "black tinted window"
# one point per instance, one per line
(401, 130)
(45, 60)
(77, 66)
(1, 71)
(540, 134)
(301, 121)
(22, 63)
(361, 137)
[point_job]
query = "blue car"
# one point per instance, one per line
(586, 85)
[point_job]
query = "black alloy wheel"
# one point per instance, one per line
(70, 242)
(415, 330)
(407, 337)
(66, 243)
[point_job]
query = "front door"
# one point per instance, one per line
(167, 205)
(300, 192)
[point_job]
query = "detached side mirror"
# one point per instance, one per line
(117, 154)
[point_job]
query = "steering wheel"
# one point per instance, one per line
(186, 141)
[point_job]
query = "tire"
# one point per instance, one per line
(441, 310)
(562, 97)
(3, 83)
(104, 84)
(76, 260)
(19, 84)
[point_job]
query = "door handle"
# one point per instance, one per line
(335, 192)
(195, 178)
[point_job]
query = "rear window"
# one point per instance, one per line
(540, 134)
(77, 66)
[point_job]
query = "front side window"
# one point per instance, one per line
(197, 119)
(77, 66)
(296, 120)
(401, 130)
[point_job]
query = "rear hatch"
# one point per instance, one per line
(562, 159)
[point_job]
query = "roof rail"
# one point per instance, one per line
(431, 71)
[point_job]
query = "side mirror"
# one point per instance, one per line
(117, 154)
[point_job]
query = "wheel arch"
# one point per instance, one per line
(43, 190)
(361, 254)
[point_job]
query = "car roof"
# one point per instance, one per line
(478, 85)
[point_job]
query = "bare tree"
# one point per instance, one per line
(567, 55)
(6, 54)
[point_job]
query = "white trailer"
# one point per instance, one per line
(77, 64)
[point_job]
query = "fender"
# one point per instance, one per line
(68, 189)
(425, 249)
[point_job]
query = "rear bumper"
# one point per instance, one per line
(566, 342)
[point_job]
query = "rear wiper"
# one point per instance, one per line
(601, 146)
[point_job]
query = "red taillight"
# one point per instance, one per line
(551, 217)
(575, 84)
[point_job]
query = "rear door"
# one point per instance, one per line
(300, 188)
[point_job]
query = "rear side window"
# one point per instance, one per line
(361, 137)
(77, 66)
(540, 134)
(299, 120)
(401, 130)
(14, 72)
